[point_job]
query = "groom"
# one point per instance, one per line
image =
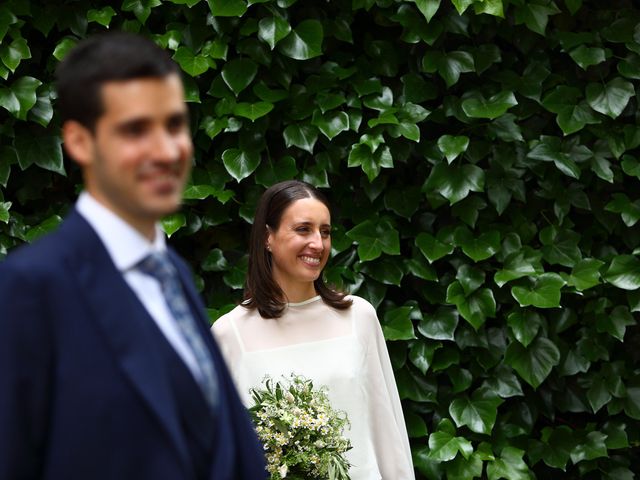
(107, 367)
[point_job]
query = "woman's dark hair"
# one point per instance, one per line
(261, 290)
(109, 57)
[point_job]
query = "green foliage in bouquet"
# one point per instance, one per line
(301, 433)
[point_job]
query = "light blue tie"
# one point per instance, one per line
(160, 267)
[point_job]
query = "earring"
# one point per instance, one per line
(268, 248)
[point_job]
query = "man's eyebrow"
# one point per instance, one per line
(181, 117)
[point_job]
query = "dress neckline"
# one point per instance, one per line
(300, 304)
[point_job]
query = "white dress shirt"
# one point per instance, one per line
(127, 247)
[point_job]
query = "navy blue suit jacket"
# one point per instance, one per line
(81, 394)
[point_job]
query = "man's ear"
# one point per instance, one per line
(78, 142)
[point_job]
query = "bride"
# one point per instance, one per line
(292, 322)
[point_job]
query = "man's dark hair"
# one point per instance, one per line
(261, 290)
(116, 56)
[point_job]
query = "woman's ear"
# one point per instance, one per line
(268, 239)
(78, 142)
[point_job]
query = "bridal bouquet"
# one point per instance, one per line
(302, 435)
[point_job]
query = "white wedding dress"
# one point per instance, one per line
(342, 349)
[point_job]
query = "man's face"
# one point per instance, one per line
(140, 150)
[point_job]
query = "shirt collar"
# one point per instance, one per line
(125, 245)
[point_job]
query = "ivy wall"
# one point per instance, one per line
(483, 157)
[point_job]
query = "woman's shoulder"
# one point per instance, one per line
(223, 325)
(362, 307)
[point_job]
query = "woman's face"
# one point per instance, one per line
(301, 245)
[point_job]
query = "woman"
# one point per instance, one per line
(291, 322)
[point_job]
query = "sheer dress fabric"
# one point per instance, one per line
(342, 349)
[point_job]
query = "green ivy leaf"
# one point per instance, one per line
(452, 64)
(534, 362)
(332, 123)
(455, 182)
(416, 426)
(470, 278)
(200, 192)
(432, 248)
(452, 146)
(414, 387)
(172, 223)
(441, 325)
(428, 8)
(491, 108)
(227, 8)
(535, 16)
(480, 248)
(397, 324)
(239, 73)
(63, 47)
(301, 136)
(9, 101)
(273, 29)
(610, 99)
(478, 412)
(509, 465)
(304, 42)
(632, 403)
(7, 18)
(630, 67)
(404, 202)
(375, 238)
(44, 228)
(474, 308)
(504, 383)
(140, 8)
(462, 5)
(521, 263)
(490, 7)
(270, 172)
(25, 91)
(45, 152)
(385, 271)
(415, 266)
(4, 211)
(616, 322)
(525, 325)
(252, 111)
(630, 211)
(587, 56)
(585, 274)
(598, 395)
(445, 446)
(592, 447)
(548, 149)
(624, 272)
(194, 65)
(102, 16)
(542, 291)
(421, 354)
(240, 164)
(13, 53)
(215, 261)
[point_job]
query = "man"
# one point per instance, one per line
(107, 369)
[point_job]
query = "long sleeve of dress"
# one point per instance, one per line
(388, 429)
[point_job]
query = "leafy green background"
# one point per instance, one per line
(482, 156)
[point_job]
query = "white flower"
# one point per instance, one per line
(283, 470)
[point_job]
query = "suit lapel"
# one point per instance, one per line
(124, 323)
